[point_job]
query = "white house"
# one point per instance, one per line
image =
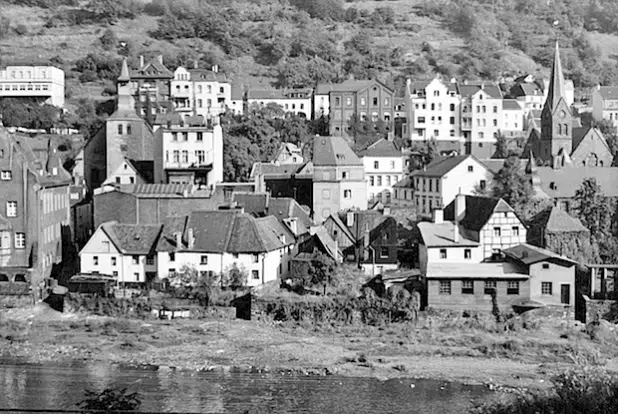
(37, 82)
(200, 91)
(125, 173)
(439, 183)
(605, 104)
(214, 241)
(125, 251)
(383, 163)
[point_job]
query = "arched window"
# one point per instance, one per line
(3, 277)
(560, 129)
(566, 129)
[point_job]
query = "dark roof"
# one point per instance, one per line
(441, 166)
(528, 254)
(275, 169)
(608, 92)
(176, 119)
(133, 238)
(333, 151)
(261, 204)
(207, 75)
(478, 211)
(154, 69)
(346, 86)
(555, 220)
(510, 105)
(171, 226)
(363, 220)
(405, 183)
(212, 229)
(564, 182)
(382, 148)
(466, 90)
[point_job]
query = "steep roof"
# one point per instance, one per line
(442, 235)
(382, 148)
(469, 89)
(133, 238)
(125, 76)
(333, 151)
(441, 166)
(154, 69)
(555, 220)
(171, 226)
(283, 208)
(528, 254)
(608, 92)
(478, 211)
(564, 182)
(556, 89)
(270, 169)
(589, 133)
(502, 270)
(207, 75)
(511, 105)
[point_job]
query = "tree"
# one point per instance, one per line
(594, 209)
(110, 400)
(294, 128)
(366, 131)
(511, 184)
(235, 276)
(188, 283)
(108, 39)
(502, 147)
(320, 271)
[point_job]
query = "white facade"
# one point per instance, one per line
(512, 118)
(433, 112)
(381, 174)
(200, 92)
(481, 117)
(33, 82)
(605, 104)
(435, 192)
(503, 230)
(100, 255)
(124, 174)
(321, 103)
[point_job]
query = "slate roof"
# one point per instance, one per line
(510, 105)
(153, 70)
(405, 183)
(269, 169)
(329, 244)
(261, 204)
(171, 226)
(237, 93)
(133, 238)
(441, 235)
(441, 166)
(346, 86)
(471, 88)
(478, 211)
(528, 254)
(333, 151)
(608, 92)
(564, 182)
(265, 94)
(382, 148)
(177, 119)
(502, 270)
(555, 220)
(207, 75)
(579, 134)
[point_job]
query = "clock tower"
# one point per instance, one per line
(556, 117)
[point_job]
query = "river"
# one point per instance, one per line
(48, 387)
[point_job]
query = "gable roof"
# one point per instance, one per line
(382, 148)
(528, 254)
(564, 182)
(171, 226)
(442, 235)
(555, 220)
(333, 151)
(478, 211)
(443, 165)
(282, 208)
(511, 105)
(589, 133)
(337, 220)
(327, 242)
(469, 89)
(154, 69)
(346, 86)
(272, 169)
(133, 238)
(207, 75)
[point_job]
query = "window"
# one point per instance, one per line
(483, 184)
(347, 193)
(344, 175)
(113, 261)
(421, 120)
(6, 175)
(383, 251)
(497, 231)
(467, 287)
(371, 180)
(5, 240)
(11, 208)
(185, 156)
(452, 107)
(95, 260)
(174, 136)
(117, 180)
(20, 240)
(176, 156)
(120, 129)
(172, 256)
(256, 258)
(392, 165)
(348, 101)
(495, 109)
(136, 276)
(512, 287)
(515, 230)
(490, 287)
(379, 180)
(545, 265)
(150, 260)
(128, 129)
(185, 136)
(495, 123)
(200, 136)
(337, 101)
(20, 278)
(388, 180)
(135, 259)
(443, 254)
(546, 288)
(326, 194)
(445, 287)
(255, 274)
(467, 253)
(375, 101)
(363, 101)
(376, 165)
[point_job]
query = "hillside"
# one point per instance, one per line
(293, 42)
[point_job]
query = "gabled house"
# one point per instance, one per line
(383, 162)
(289, 153)
(198, 91)
(605, 104)
(125, 251)
(125, 173)
(481, 116)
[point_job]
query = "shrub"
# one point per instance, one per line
(110, 400)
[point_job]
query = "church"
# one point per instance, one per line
(562, 141)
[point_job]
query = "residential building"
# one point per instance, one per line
(366, 99)
(188, 150)
(285, 180)
(367, 238)
(149, 86)
(404, 193)
(40, 82)
(434, 113)
(401, 118)
(512, 124)
(215, 241)
(237, 100)
(554, 229)
(481, 116)
(436, 185)
(200, 91)
(34, 216)
(338, 178)
(531, 93)
(125, 251)
(125, 173)
(605, 104)
(289, 153)
(292, 101)
(383, 163)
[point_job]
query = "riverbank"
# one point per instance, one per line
(520, 359)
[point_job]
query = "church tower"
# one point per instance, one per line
(125, 100)
(556, 117)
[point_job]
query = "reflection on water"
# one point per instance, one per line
(62, 387)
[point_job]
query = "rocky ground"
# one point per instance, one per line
(522, 358)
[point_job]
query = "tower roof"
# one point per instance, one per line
(556, 82)
(124, 72)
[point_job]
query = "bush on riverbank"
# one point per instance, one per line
(581, 390)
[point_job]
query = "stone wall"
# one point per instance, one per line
(600, 309)
(16, 301)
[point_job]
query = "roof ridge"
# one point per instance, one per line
(257, 233)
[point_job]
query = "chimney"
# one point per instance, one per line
(438, 216)
(141, 61)
(191, 239)
(350, 219)
(294, 225)
(195, 64)
(460, 206)
(160, 59)
(598, 86)
(178, 237)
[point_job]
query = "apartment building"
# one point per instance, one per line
(383, 163)
(481, 115)
(35, 215)
(188, 150)
(200, 91)
(39, 82)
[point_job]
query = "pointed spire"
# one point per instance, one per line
(556, 81)
(124, 72)
(531, 166)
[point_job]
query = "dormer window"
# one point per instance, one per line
(55, 171)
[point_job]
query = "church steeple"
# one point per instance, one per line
(124, 72)
(125, 100)
(556, 82)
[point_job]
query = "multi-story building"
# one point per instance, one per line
(481, 115)
(200, 91)
(188, 150)
(338, 178)
(512, 123)
(292, 101)
(125, 251)
(434, 113)
(37, 82)
(532, 93)
(437, 185)
(605, 104)
(383, 163)
(149, 85)
(366, 99)
(35, 213)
